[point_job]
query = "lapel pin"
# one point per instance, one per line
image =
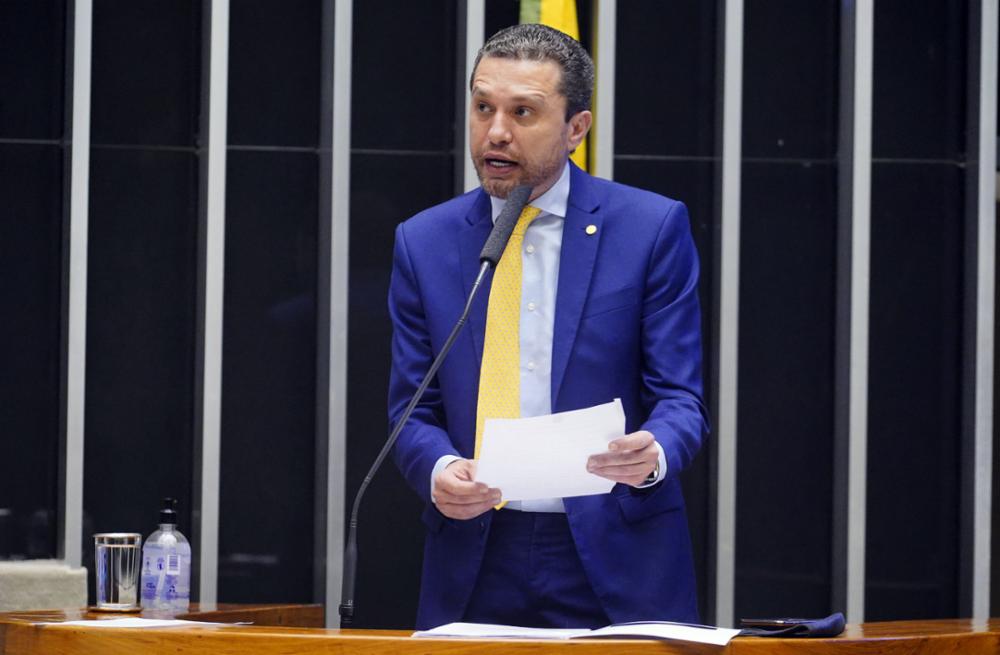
(591, 229)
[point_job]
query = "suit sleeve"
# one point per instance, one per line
(671, 344)
(424, 439)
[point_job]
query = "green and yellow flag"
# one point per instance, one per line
(560, 14)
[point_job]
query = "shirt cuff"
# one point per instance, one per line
(445, 460)
(661, 469)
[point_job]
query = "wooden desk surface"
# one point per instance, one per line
(282, 629)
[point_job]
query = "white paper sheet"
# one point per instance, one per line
(665, 630)
(489, 630)
(546, 456)
(641, 630)
(134, 622)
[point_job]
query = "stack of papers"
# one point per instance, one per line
(702, 634)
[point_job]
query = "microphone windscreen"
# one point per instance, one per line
(504, 225)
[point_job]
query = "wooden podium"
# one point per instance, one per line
(281, 629)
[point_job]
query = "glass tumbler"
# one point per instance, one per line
(116, 558)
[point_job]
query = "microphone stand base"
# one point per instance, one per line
(346, 616)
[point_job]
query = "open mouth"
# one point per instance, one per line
(499, 164)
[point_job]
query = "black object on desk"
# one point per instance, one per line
(831, 626)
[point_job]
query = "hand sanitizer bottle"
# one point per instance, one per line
(166, 565)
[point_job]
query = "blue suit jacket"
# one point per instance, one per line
(626, 326)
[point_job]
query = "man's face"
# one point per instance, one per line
(518, 133)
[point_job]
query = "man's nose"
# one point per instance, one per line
(499, 131)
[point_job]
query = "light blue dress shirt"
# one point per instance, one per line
(539, 282)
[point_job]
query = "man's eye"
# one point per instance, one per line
(482, 107)
(522, 111)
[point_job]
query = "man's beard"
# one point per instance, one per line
(533, 177)
(496, 188)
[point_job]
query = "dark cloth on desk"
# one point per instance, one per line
(830, 626)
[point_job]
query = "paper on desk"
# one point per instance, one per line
(133, 622)
(495, 631)
(546, 456)
(703, 634)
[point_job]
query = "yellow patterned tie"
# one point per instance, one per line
(500, 374)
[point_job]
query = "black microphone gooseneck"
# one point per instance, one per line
(489, 257)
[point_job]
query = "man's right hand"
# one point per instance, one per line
(457, 496)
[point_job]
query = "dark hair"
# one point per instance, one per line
(540, 42)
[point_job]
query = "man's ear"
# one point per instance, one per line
(579, 125)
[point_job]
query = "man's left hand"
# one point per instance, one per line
(629, 460)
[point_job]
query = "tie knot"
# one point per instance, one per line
(528, 214)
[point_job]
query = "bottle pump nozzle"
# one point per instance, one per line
(168, 513)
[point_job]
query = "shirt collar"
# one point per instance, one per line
(551, 202)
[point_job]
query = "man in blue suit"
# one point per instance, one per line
(608, 309)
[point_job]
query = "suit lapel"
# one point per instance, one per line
(576, 267)
(471, 240)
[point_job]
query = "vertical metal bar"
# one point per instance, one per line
(212, 249)
(340, 204)
(475, 27)
(978, 314)
(985, 289)
(76, 302)
(603, 158)
(729, 286)
(854, 229)
(860, 212)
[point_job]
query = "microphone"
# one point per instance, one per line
(504, 225)
(488, 257)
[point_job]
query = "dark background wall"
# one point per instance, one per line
(665, 141)
(32, 156)
(269, 353)
(141, 263)
(147, 153)
(787, 293)
(918, 205)
(403, 136)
